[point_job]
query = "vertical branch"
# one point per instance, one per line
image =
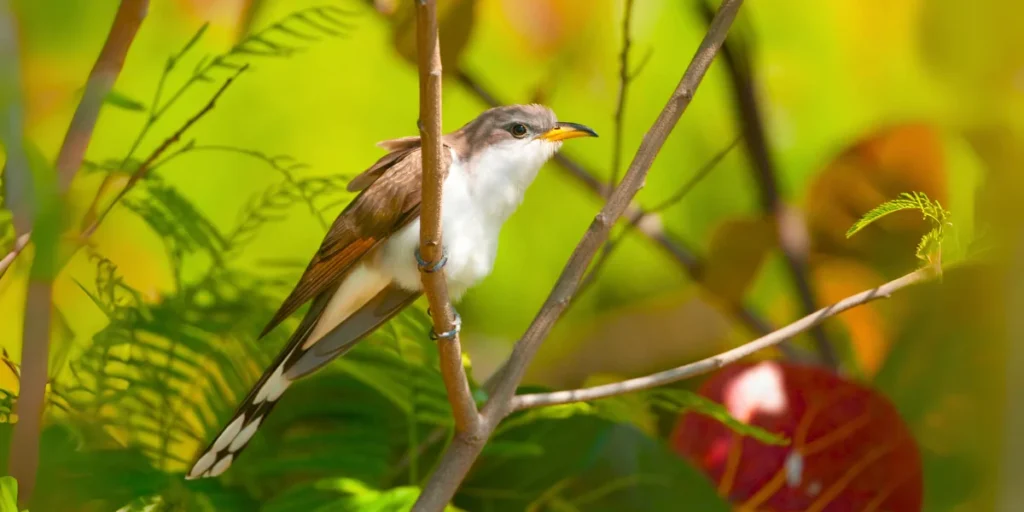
(463, 451)
(18, 190)
(789, 224)
(620, 103)
(24, 453)
(431, 249)
(35, 353)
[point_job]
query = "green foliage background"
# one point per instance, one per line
(157, 321)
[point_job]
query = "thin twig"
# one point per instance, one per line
(625, 77)
(789, 224)
(715, 362)
(467, 419)
(464, 450)
(19, 245)
(101, 80)
(651, 216)
(144, 167)
(24, 453)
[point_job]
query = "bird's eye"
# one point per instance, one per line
(518, 130)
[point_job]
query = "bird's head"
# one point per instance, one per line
(527, 133)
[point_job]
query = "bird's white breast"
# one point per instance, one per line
(479, 196)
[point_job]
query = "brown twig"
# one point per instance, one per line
(651, 216)
(24, 455)
(35, 352)
(19, 245)
(145, 166)
(101, 80)
(464, 449)
(789, 224)
(467, 419)
(625, 77)
(715, 362)
(18, 188)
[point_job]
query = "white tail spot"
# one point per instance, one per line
(202, 464)
(245, 435)
(228, 434)
(221, 465)
(274, 386)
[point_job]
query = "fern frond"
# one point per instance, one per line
(911, 201)
(929, 249)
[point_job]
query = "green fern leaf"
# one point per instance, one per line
(914, 201)
(929, 249)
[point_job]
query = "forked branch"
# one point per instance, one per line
(464, 449)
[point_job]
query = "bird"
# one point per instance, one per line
(367, 268)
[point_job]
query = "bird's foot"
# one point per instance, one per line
(428, 266)
(448, 335)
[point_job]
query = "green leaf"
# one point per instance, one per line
(498, 448)
(590, 463)
(122, 101)
(346, 495)
(8, 494)
(679, 400)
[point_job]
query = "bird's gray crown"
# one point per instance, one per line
(499, 123)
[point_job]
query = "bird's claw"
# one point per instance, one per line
(431, 267)
(448, 335)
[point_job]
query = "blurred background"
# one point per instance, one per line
(823, 110)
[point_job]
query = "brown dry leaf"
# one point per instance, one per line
(736, 252)
(455, 25)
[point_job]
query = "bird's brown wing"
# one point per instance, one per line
(382, 207)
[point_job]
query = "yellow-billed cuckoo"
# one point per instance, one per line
(367, 268)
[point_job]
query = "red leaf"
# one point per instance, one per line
(849, 449)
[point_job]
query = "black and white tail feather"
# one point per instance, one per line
(293, 362)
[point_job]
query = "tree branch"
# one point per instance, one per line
(24, 454)
(467, 419)
(464, 449)
(715, 362)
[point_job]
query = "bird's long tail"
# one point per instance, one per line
(310, 347)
